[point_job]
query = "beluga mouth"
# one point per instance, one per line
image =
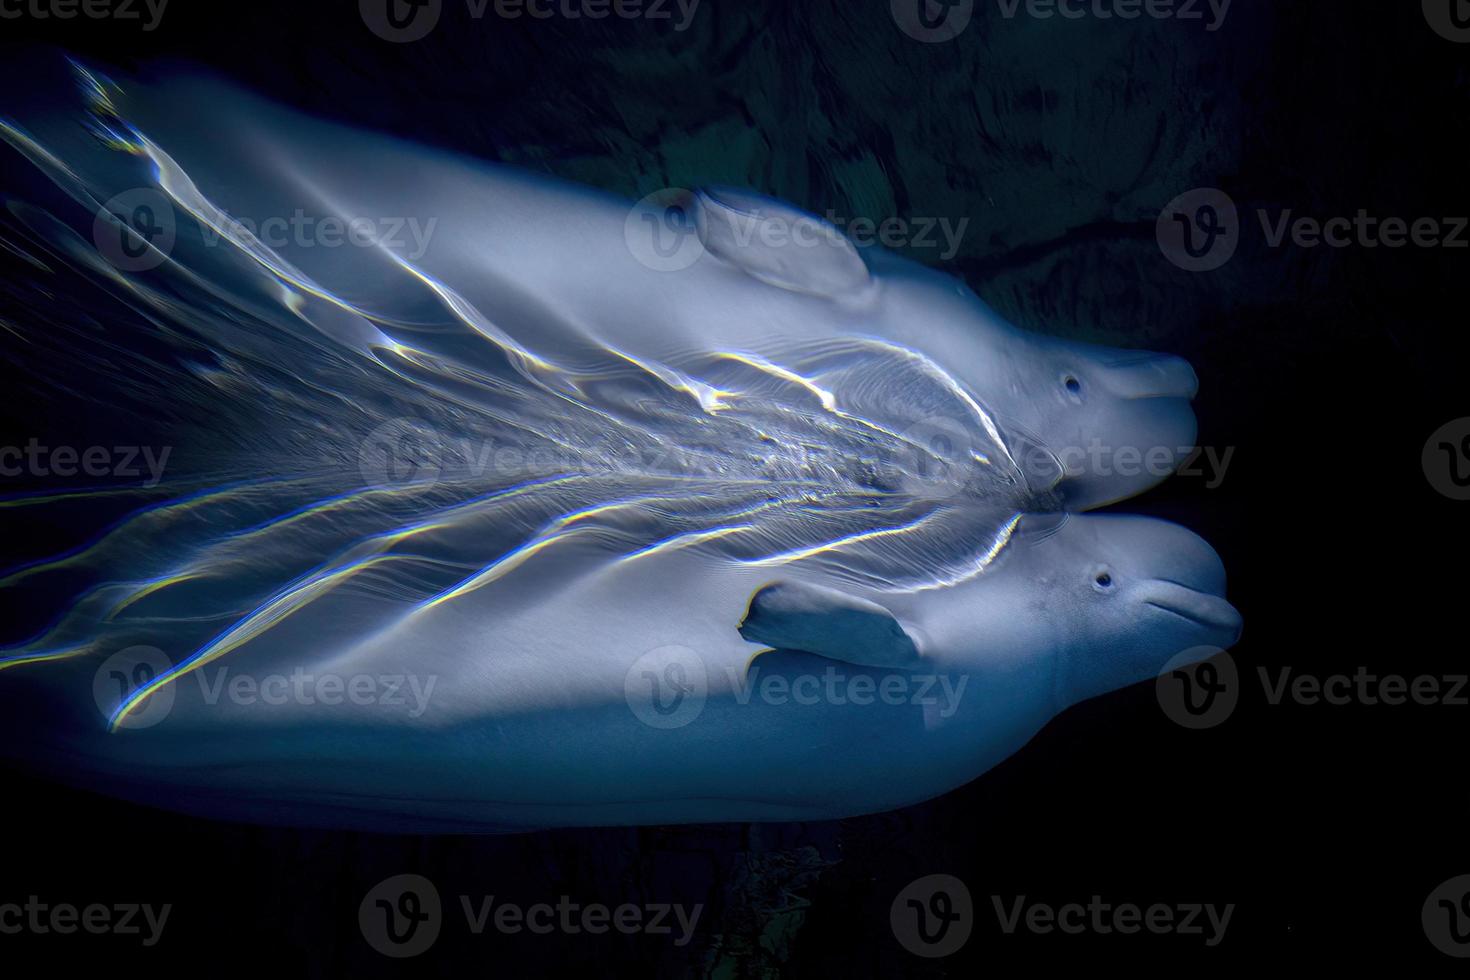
(1202, 608)
(1144, 374)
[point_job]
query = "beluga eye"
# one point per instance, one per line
(1102, 580)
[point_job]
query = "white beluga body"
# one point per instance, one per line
(779, 535)
(564, 276)
(666, 689)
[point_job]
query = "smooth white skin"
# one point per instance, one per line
(529, 726)
(548, 263)
(1095, 409)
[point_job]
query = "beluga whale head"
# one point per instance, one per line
(1099, 424)
(1129, 595)
(1074, 607)
(1095, 424)
(1110, 599)
(1111, 422)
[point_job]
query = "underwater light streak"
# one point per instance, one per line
(554, 531)
(162, 507)
(34, 151)
(685, 540)
(710, 398)
(200, 568)
(306, 589)
(953, 386)
(271, 614)
(827, 399)
(562, 527)
(838, 543)
(982, 561)
(466, 313)
(35, 658)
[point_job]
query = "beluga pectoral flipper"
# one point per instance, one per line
(828, 622)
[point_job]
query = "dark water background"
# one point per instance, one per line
(1326, 370)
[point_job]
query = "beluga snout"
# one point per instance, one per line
(1156, 591)
(1114, 422)
(1142, 374)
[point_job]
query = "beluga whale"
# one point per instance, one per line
(520, 505)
